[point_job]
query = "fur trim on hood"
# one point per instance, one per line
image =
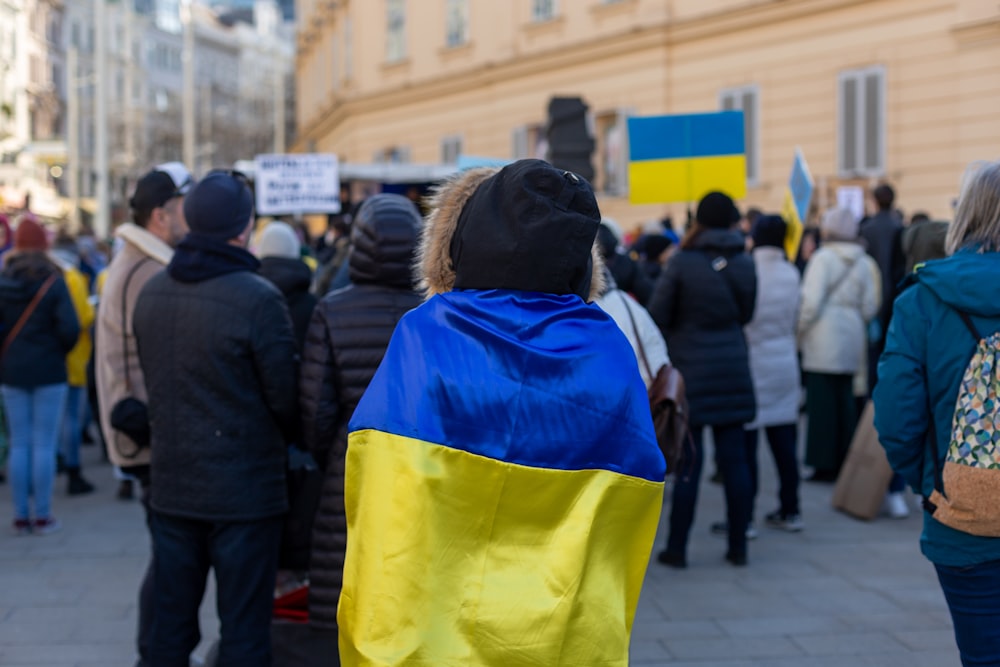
(434, 266)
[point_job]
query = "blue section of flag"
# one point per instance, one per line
(801, 185)
(534, 379)
(686, 136)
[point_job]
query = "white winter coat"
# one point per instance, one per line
(774, 363)
(615, 302)
(833, 316)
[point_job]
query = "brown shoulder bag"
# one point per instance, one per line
(667, 403)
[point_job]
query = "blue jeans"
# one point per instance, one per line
(244, 556)
(782, 440)
(731, 459)
(973, 596)
(33, 417)
(72, 428)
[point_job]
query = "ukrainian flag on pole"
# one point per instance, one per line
(681, 158)
(795, 206)
(503, 488)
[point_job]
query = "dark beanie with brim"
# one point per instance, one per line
(219, 207)
(529, 227)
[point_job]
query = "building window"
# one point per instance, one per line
(861, 122)
(529, 141)
(543, 10)
(451, 148)
(457, 27)
(395, 34)
(747, 100)
(612, 148)
(392, 155)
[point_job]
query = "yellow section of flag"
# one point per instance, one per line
(686, 179)
(793, 235)
(459, 559)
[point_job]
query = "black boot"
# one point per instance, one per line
(77, 484)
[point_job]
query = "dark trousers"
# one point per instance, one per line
(973, 596)
(147, 595)
(731, 459)
(782, 441)
(831, 410)
(244, 556)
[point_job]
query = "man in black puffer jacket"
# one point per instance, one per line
(348, 336)
(219, 357)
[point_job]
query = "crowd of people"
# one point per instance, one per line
(403, 393)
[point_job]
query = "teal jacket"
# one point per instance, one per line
(927, 351)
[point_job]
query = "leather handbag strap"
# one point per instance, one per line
(638, 338)
(21, 321)
(128, 280)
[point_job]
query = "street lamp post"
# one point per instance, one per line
(187, 58)
(102, 221)
(72, 137)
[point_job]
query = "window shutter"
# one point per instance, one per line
(750, 132)
(873, 121)
(848, 124)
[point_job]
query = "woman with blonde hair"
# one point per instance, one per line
(948, 307)
(840, 294)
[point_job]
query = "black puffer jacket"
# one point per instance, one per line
(347, 339)
(702, 300)
(219, 359)
(37, 355)
(293, 277)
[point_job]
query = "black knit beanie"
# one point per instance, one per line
(717, 210)
(769, 230)
(219, 206)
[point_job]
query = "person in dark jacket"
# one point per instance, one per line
(218, 354)
(928, 350)
(33, 371)
(347, 338)
(882, 235)
(702, 301)
(628, 274)
(279, 250)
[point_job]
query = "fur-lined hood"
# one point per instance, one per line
(435, 269)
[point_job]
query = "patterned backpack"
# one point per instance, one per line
(968, 496)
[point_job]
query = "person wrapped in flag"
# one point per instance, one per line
(503, 481)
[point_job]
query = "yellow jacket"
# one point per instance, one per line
(79, 356)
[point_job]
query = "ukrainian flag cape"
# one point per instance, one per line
(503, 488)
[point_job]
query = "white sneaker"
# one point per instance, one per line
(896, 506)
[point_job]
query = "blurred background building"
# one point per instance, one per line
(243, 55)
(902, 90)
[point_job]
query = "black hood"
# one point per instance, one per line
(288, 275)
(23, 273)
(384, 238)
(724, 241)
(529, 227)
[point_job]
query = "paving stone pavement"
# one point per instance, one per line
(843, 593)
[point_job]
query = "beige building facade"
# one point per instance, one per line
(906, 91)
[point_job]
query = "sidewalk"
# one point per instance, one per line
(840, 594)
